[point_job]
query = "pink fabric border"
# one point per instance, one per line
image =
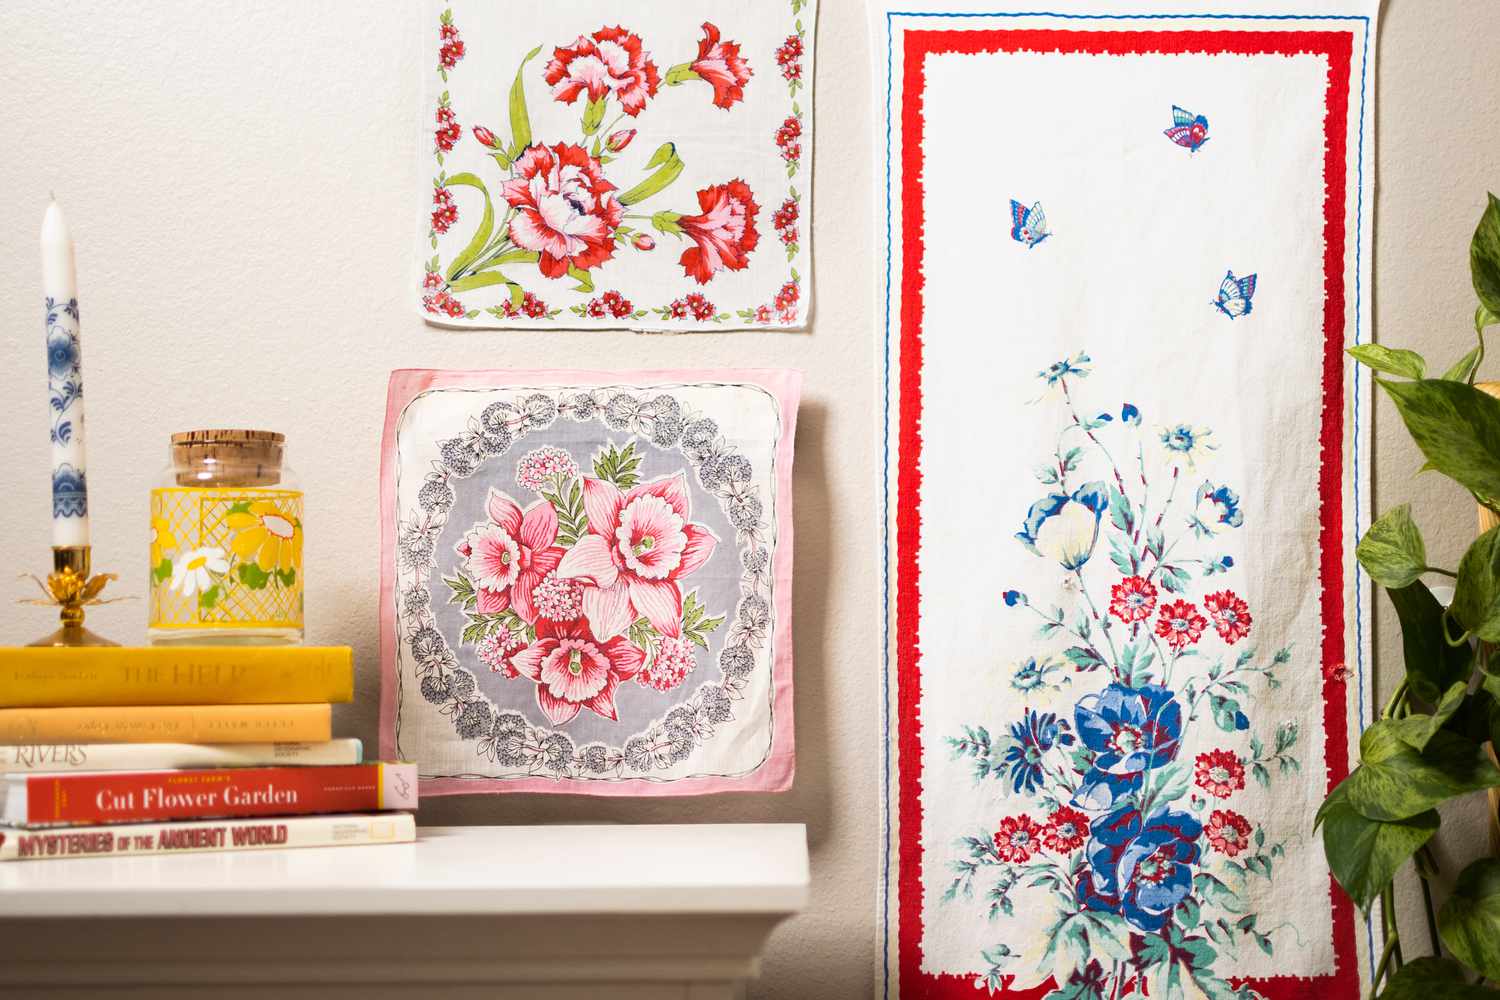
(775, 774)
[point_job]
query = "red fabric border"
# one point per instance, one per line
(1337, 47)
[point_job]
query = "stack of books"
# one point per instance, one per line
(164, 750)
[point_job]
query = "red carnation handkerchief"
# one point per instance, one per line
(586, 580)
(593, 166)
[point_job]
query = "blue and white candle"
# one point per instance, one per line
(70, 499)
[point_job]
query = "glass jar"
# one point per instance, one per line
(226, 543)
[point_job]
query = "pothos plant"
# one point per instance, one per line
(1429, 744)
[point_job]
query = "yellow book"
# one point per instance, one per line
(168, 724)
(175, 675)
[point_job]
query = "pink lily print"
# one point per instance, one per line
(510, 554)
(574, 670)
(639, 544)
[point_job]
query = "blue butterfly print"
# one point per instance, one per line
(1029, 225)
(1234, 295)
(1188, 130)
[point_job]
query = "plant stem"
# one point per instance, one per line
(1392, 951)
(1101, 622)
(1397, 697)
(1119, 480)
(1432, 930)
(1385, 961)
(1388, 917)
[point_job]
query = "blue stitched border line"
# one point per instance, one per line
(885, 543)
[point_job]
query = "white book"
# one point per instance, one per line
(199, 836)
(24, 759)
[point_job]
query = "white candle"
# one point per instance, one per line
(70, 504)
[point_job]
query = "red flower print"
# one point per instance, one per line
(452, 49)
(787, 315)
(724, 231)
(789, 58)
(792, 153)
(618, 305)
(701, 307)
(486, 137)
(1132, 599)
(617, 141)
(693, 305)
(444, 304)
(575, 670)
(610, 62)
(1220, 773)
(721, 65)
(1018, 838)
(567, 211)
(530, 306)
(444, 211)
(439, 301)
(639, 544)
(1228, 832)
(787, 297)
(784, 220)
(1231, 616)
(643, 241)
(790, 131)
(1180, 624)
(596, 309)
(448, 131)
(1334, 673)
(508, 555)
(1066, 830)
(763, 314)
(451, 53)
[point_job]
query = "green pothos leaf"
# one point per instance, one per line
(1469, 921)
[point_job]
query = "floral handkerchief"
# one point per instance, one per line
(1128, 638)
(599, 165)
(586, 580)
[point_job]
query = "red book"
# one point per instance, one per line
(154, 796)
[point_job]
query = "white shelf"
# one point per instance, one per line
(511, 870)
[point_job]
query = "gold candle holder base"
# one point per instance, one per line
(71, 587)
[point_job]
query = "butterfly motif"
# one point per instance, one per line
(1029, 225)
(1188, 130)
(1234, 295)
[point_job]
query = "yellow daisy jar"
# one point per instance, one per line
(228, 493)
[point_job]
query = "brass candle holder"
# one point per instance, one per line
(71, 587)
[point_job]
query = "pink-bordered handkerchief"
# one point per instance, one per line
(586, 580)
(600, 165)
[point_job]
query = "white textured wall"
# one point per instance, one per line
(239, 179)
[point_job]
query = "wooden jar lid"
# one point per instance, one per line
(227, 457)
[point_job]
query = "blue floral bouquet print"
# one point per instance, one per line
(1135, 845)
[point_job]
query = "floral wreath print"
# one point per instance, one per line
(585, 585)
(1141, 851)
(564, 215)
